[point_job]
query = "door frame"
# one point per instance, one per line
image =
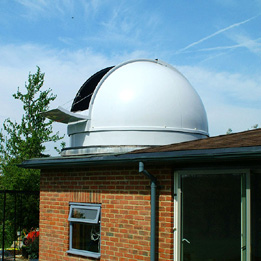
(245, 211)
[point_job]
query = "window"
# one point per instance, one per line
(84, 229)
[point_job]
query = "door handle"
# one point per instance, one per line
(185, 240)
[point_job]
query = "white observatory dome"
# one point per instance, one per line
(137, 104)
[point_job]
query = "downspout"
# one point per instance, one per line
(153, 191)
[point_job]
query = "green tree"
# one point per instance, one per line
(25, 140)
(229, 131)
(22, 141)
(255, 126)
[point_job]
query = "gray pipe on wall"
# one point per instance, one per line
(153, 192)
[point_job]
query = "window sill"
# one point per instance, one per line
(84, 253)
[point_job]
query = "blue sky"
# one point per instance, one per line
(216, 44)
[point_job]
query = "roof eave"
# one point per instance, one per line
(170, 156)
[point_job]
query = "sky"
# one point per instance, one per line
(215, 44)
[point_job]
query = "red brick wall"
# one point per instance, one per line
(125, 216)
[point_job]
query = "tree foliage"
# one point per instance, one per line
(25, 140)
(255, 126)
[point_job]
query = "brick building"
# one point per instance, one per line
(225, 169)
(141, 179)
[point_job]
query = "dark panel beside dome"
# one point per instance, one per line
(82, 99)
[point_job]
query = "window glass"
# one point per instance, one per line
(86, 237)
(84, 213)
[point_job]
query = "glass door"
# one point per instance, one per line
(256, 216)
(212, 217)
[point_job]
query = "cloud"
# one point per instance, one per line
(238, 88)
(75, 65)
(32, 5)
(125, 26)
(230, 116)
(58, 8)
(253, 45)
(65, 72)
(217, 48)
(231, 100)
(243, 41)
(215, 34)
(108, 26)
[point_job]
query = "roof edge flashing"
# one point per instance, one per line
(171, 156)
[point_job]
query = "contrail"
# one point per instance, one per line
(216, 33)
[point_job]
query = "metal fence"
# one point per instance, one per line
(19, 215)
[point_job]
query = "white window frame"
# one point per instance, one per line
(87, 221)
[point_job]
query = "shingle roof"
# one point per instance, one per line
(249, 138)
(240, 146)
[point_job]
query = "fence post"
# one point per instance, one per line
(15, 227)
(3, 236)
